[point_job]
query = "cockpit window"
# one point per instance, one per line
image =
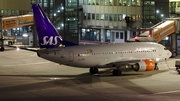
(165, 49)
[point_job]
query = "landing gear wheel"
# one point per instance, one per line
(2, 49)
(178, 71)
(117, 72)
(156, 68)
(93, 70)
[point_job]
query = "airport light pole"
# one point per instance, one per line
(2, 41)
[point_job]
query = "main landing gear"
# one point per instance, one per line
(93, 70)
(156, 67)
(2, 48)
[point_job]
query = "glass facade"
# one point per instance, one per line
(9, 13)
(154, 12)
(174, 7)
(90, 34)
(64, 14)
(112, 2)
(108, 15)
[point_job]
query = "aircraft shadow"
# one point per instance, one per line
(77, 82)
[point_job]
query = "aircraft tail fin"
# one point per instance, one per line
(47, 34)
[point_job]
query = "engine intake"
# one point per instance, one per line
(145, 65)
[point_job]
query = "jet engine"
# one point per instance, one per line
(145, 65)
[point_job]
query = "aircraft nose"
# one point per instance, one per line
(169, 53)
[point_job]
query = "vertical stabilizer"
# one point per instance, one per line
(47, 33)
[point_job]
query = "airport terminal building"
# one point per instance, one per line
(96, 21)
(104, 20)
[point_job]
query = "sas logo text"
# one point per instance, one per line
(51, 40)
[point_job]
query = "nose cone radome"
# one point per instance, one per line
(169, 54)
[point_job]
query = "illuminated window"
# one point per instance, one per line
(9, 12)
(106, 16)
(152, 3)
(85, 15)
(5, 12)
(85, 2)
(102, 2)
(110, 17)
(45, 5)
(119, 17)
(139, 17)
(123, 16)
(129, 2)
(115, 17)
(17, 12)
(138, 3)
(93, 2)
(124, 2)
(51, 5)
(89, 2)
(133, 2)
(2, 12)
(106, 2)
(146, 2)
(110, 2)
(120, 2)
(13, 12)
(97, 16)
(102, 16)
(40, 0)
(133, 17)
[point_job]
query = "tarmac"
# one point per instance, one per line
(26, 77)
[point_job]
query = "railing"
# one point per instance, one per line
(161, 32)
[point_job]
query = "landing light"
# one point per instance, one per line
(17, 48)
(25, 35)
(157, 59)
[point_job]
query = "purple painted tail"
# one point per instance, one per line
(47, 34)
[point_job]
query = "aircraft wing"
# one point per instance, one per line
(120, 61)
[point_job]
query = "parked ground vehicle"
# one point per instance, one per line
(177, 65)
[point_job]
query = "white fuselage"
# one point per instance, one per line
(101, 55)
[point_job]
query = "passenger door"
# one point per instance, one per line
(159, 51)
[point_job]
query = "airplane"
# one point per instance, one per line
(137, 56)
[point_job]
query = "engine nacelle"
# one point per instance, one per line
(145, 65)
